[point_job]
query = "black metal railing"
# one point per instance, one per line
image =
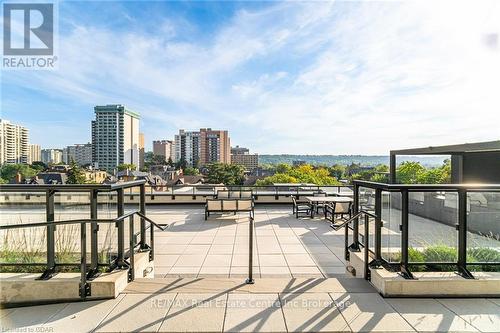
(368, 203)
(122, 259)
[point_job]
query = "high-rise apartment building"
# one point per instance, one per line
(34, 153)
(13, 143)
(115, 137)
(80, 153)
(215, 146)
(202, 147)
(52, 156)
(142, 151)
(164, 148)
(242, 156)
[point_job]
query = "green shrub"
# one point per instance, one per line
(484, 254)
(440, 253)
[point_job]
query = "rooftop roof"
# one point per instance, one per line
(488, 146)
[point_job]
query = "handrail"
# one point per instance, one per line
(71, 187)
(84, 287)
(81, 221)
(346, 222)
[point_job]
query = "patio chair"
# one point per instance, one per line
(335, 209)
(301, 207)
(318, 205)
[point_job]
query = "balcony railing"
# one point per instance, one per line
(408, 228)
(53, 243)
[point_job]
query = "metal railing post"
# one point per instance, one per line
(462, 235)
(366, 249)
(120, 260)
(151, 243)
(355, 226)
(94, 228)
(405, 271)
(378, 226)
(84, 289)
(50, 270)
(131, 273)
(250, 279)
(142, 209)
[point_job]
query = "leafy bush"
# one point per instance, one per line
(440, 253)
(484, 254)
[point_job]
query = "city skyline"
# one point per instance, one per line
(272, 73)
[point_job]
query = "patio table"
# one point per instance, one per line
(325, 200)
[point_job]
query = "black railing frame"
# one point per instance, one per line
(404, 265)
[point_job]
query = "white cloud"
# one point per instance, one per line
(303, 77)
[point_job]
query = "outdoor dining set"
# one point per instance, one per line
(332, 207)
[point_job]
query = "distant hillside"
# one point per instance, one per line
(364, 160)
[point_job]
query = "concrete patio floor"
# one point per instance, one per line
(284, 246)
(270, 305)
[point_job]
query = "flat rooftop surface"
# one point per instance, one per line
(283, 245)
(270, 305)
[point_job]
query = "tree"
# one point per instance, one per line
(9, 171)
(301, 174)
(227, 174)
(170, 162)
(338, 171)
(76, 174)
(125, 166)
(191, 171)
(181, 164)
(408, 172)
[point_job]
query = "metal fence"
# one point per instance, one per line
(127, 243)
(399, 229)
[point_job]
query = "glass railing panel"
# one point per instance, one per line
(366, 199)
(483, 230)
(107, 235)
(391, 221)
(432, 234)
(27, 245)
(70, 206)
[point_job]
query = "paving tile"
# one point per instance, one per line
(217, 260)
(254, 313)
(299, 260)
(197, 249)
(269, 248)
(221, 249)
(137, 313)
(288, 240)
(169, 248)
(84, 315)
(241, 271)
(331, 271)
(312, 313)
(242, 259)
(224, 240)
(293, 249)
(273, 271)
(298, 271)
(272, 260)
(428, 315)
(479, 312)
(166, 259)
(317, 249)
(184, 271)
(369, 312)
(190, 260)
(324, 259)
(214, 271)
(176, 240)
(196, 313)
(29, 319)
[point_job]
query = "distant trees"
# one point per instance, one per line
(227, 174)
(126, 166)
(301, 174)
(76, 174)
(9, 171)
(191, 171)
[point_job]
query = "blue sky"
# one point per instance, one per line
(282, 77)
